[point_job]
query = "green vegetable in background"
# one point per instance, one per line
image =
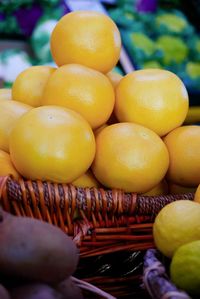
(40, 40)
(173, 22)
(174, 49)
(143, 42)
(141, 47)
(193, 69)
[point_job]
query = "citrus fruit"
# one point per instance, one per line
(160, 189)
(5, 94)
(52, 143)
(144, 97)
(86, 37)
(6, 166)
(114, 78)
(129, 157)
(177, 189)
(29, 85)
(86, 180)
(197, 194)
(83, 90)
(176, 224)
(10, 111)
(183, 145)
(185, 268)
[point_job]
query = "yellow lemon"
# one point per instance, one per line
(176, 224)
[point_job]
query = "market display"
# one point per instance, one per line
(80, 128)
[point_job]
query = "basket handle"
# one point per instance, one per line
(89, 200)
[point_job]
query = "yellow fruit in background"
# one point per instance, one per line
(29, 85)
(160, 189)
(5, 94)
(86, 180)
(177, 189)
(6, 166)
(10, 111)
(154, 98)
(197, 194)
(130, 157)
(176, 224)
(52, 143)
(86, 37)
(83, 90)
(114, 78)
(183, 145)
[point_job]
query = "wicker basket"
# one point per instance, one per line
(109, 222)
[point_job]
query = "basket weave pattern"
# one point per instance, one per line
(109, 220)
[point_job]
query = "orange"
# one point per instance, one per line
(5, 94)
(83, 90)
(130, 157)
(29, 85)
(177, 189)
(6, 166)
(86, 37)
(86, 180)
(160, 189)
(10, 111)
(52, 143)
(114, 78)
(183, 145)
(197, 194)
(154, 98)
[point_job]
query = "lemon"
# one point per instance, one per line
(176, 224)
(185, 268)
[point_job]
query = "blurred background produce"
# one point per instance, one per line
(155, 34)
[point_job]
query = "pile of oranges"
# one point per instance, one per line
(81, 123)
